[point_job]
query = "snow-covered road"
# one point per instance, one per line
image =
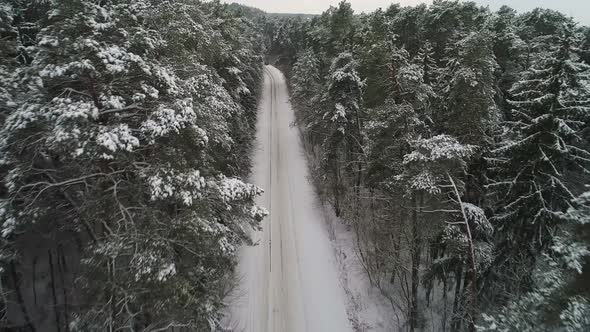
(289, 281)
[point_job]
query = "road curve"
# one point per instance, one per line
(289, 281)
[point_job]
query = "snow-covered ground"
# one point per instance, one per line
(291, 280)
(368, 309)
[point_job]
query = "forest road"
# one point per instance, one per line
(289, 281)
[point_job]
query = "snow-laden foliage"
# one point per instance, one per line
(390, 130)
(540, 158)
(344, 93)
(543, 146)
(125, 129)
(580, 213)
(477, 217)
(469, 110)
(561, 266)
(457, 242)
(529, 312)
(431, 160)
(305, 81)
(341, 101)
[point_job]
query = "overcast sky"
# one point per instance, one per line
(579, 9)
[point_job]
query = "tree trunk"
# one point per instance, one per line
(445, 300)
(19, 298)
(111, 268)
(416, 255)
(54, 292)
(61, 263)
(456, 319)
(35, 280)
(336, 186)
(472, 269)
(360, 151)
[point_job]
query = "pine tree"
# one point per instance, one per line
(403, 117)
(585, 48)
(408, 23)
(343, 121)
(509, 50)
(468, 108)
(427, 169)
(306, 82)
(542, 161)
(555, 301)
(447, 19)
(425, 59)
(372, 48)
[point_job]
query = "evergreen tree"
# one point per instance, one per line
(306, 83)
(585, 48)
(558, 298)
(372, 46)
(542, 161)
(343, 121)
(467, 107)
(509, 51)
(408, 24)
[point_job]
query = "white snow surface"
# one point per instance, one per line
(290, 281)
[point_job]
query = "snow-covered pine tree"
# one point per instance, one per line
(540, 160)
(234, 50)
(341, 29)
(468, 110)
(372, 46)
(585, 47)
(425, 59)
(402, 118)
(342, 143)
(306, 87)
(509, 50)
(120, 185)
(445, 20)
(408, 23)
(557, 300)
(7, 62)
(425, 178)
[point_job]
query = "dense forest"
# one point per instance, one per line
(454, 141)
(126, 128)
